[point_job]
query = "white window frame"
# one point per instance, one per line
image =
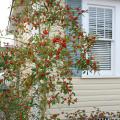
(85, 22)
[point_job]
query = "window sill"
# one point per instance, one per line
(97, 77)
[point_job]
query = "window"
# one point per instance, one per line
(101, 21)
(100, 24)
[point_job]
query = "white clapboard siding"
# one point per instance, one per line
(87, 109)
(100, 93)
(98, 98)
(94, 87)
(93, 104)
(88, 81)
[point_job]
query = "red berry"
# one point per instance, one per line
(46, 32)
(87, 61)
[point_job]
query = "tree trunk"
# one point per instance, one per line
(43, 101)
(2, 116)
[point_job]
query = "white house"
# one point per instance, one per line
(101, 90)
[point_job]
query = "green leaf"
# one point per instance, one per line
(53, 102)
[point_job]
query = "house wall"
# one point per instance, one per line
(98, 91)
(102, 93)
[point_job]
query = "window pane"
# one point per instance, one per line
(108, 23)
(100, 24)
(102, 53)
(92, 20)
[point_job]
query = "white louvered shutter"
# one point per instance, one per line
(74, 4)
(100, 24)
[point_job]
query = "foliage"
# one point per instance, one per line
(97, 114)
(44, 61)
(13, 105)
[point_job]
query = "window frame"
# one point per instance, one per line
(85, 22)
